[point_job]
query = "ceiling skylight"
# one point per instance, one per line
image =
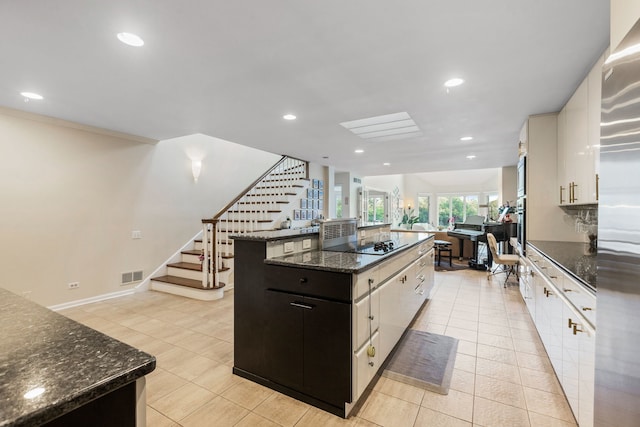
(131, 39)
(32, 95)
(382, 128)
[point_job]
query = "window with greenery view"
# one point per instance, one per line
(493, 207)
(458, 207)
(338, 192)
(375, 209)
(423, 209)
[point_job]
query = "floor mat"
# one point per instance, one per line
(425, 360)
(454, 266)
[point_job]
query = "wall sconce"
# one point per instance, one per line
(196, 168)
(409, 203)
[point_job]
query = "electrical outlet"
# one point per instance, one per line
(363, 234)
(74, 285)
(306, 244)
(136, 234)
(288, 247)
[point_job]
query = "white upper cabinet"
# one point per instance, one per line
(579, 141)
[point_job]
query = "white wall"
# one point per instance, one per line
(624, 13)
(509, 185)
(350, 190)
(71, 198)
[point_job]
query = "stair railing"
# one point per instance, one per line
(257, 202)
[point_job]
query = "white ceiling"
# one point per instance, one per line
(231, 69)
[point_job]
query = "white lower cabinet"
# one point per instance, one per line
(367, 317)
(566, 332)
(365, 364)
(385, 301)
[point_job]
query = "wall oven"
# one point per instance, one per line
(521, 211)
(522, 176)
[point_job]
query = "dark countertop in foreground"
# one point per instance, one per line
(573, 257)
(346, 262)
(73, 363)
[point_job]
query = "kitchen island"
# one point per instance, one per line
(56, 372)
(317, 325)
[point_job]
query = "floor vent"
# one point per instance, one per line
(131, 277)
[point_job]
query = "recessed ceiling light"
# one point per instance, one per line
(359, 151)
(289, 117)
(131, 39)
(453, 82)
(466, 138)
(386, 164)
(31, 95)
(471, 157)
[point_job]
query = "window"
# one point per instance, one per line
(375, 208)
(493, 207)
(423, 209)
(444, 211)
(338, 194)
(456, 207)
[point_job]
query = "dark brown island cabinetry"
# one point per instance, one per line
(303, 323)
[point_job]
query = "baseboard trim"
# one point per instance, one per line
(91, 300)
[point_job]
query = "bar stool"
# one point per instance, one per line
(442, 247)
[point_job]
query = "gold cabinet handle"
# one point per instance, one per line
(571, 323)
(597, 187)
(576, 330)
(572, 192)
(561, 190)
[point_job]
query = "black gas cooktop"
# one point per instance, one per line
(379, 248)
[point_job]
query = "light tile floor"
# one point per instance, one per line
(502, 375)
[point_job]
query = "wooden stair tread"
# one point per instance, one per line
(267, 195)
(254, 211)
(190, 283)
(186, 266)
(192, 252)
(194, 267)
(260, 202)
(281, 186)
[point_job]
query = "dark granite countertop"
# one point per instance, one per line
(346, 262)
(74, 364)
(573, 257)
(271, 235)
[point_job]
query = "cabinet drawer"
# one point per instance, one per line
(361, 318)
(322, 284)
(581, 299)
(362, 281)
(365, 366)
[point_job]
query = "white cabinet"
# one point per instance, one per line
(564, 314)
(366, 365)
(386, 299)
(579, 142)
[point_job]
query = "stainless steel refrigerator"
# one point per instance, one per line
(617, 383)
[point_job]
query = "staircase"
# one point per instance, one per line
(262, 206)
